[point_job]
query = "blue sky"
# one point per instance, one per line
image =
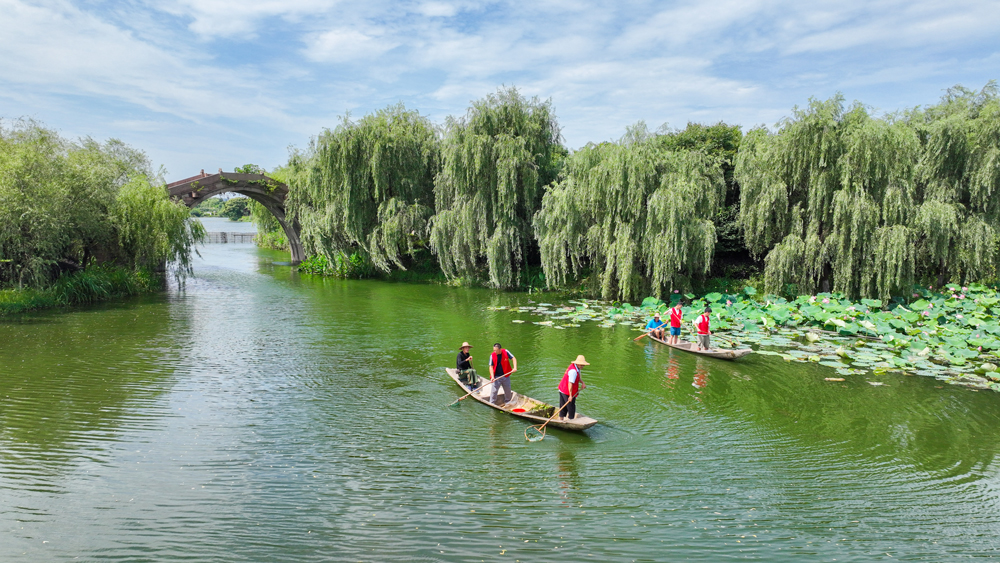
(220, 83)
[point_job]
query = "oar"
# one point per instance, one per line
(648, 333)
(540, 430)
(478, 388)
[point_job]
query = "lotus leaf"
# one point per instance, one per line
(872, 303)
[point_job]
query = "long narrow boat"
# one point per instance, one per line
(720, 353)
(526, 407)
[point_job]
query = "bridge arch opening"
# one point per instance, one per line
(268, 192)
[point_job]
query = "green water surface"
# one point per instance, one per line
(255, 414)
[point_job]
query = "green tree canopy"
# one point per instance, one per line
(236, 208)
(870, 203)
(958, 220)
(66, 204)
(722, 142)
(496, 161)
(637, 214)
(367, 186)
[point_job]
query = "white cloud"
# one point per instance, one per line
(230, 18)
(289, 67)
(437, 9)
(79, 54)
(347, 45)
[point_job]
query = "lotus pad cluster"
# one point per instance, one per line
(952, 335)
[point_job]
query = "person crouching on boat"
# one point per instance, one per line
(655, 326)
(502, 364)
(463, 363)
(676, 318)
(569, 388)
(701, 324)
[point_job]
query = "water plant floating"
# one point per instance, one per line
(951, 334)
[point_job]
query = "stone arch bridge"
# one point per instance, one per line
(268, 192)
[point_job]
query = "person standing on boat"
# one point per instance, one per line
(701, 324)
(570, 387)
(463, 363)
(655, 326)
(676, 317)
(502, 364)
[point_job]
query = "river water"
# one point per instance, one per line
(255, 414)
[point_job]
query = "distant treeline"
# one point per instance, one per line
(836, 198)
(86, 209)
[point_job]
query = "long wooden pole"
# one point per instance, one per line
(541, 429)
(480, 387)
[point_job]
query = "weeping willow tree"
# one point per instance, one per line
(838, 199)
(828, 200)
(958, 221)
(367, 187)
(495, 161)
(636, 216)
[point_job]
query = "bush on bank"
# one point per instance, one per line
(95, 284)
(82, 220)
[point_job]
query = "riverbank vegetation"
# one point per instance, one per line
(82, 220)
(836, 198)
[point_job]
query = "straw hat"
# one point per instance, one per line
(581, 360)
(656, 314)
(465, 345)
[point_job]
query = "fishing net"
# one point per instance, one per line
(534, 433)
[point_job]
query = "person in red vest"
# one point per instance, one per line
(676, 317)
(502, 364)
(570, 387)
(701, 324)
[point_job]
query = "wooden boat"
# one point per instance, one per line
(526, 407)
(721, 353)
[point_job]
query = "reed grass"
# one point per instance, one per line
(93, 285)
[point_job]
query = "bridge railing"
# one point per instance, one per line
(224, 238)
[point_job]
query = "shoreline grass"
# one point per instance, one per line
(93, 285)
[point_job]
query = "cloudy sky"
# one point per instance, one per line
(220, 83)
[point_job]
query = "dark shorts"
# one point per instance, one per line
(675, 331)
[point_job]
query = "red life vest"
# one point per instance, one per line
(702, 323)
(675, 317)
(564, 384)
(504, 363)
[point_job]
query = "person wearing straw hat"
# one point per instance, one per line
(570, 387)
(655, 326)
(463, 363)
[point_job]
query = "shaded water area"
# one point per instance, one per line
(256, 414)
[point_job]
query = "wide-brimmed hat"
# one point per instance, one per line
(657, 314)
(465, 345)
(581, 360)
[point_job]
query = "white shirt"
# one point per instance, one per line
(573, 374)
